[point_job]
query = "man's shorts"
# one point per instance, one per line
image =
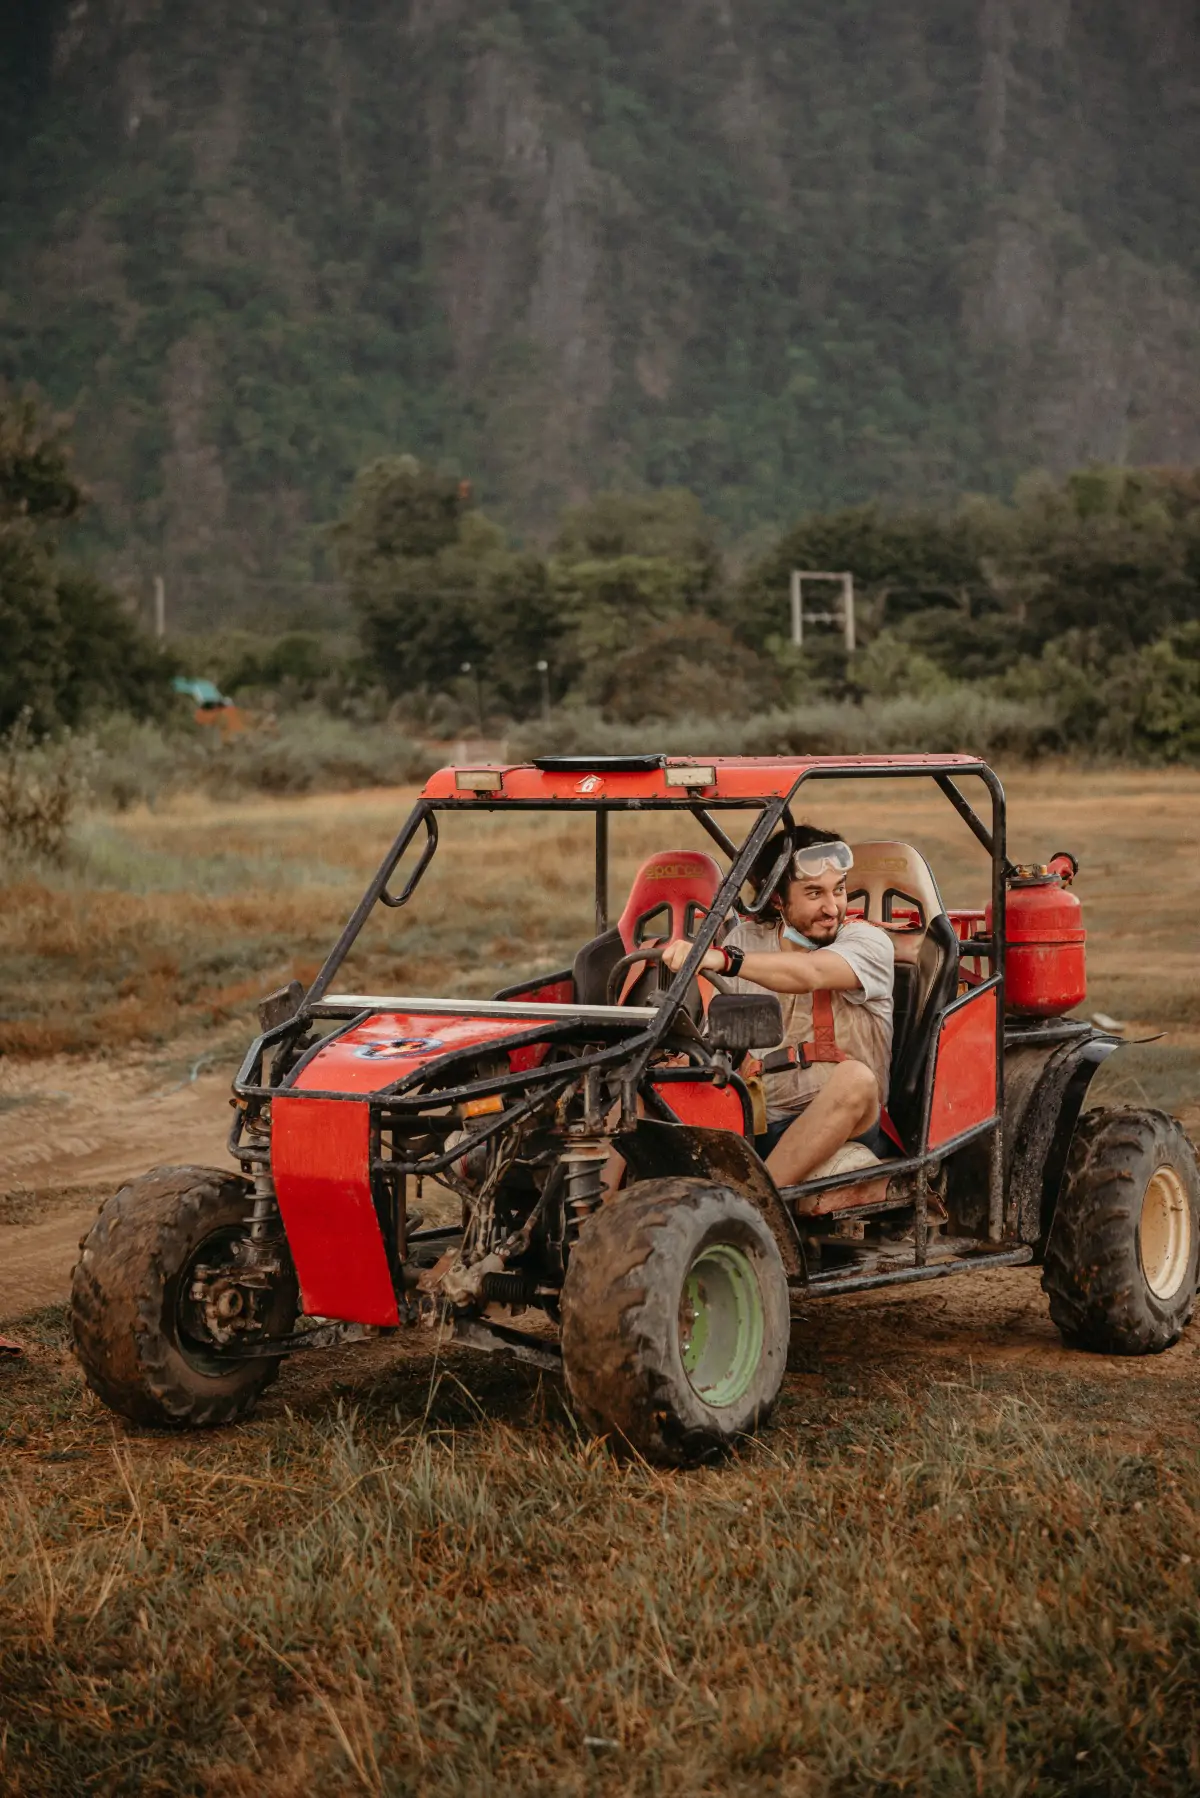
(876, 1138)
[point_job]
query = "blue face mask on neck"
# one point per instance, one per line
(802, 941)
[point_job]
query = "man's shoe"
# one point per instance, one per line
(846, 1160)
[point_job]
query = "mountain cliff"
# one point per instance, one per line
(787, 253)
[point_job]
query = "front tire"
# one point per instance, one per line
(136, 1337)
(1121, 1262)
(675, 1320)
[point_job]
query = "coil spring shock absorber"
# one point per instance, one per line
(584, 1164)
(264, 1221)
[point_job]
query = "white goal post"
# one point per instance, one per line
(843, 616)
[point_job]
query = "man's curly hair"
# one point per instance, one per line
(800, 836)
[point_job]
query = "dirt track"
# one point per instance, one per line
(72, 1132)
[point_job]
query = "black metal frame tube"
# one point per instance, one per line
(601, 872)
(725, 844)
(906, 1164)
(1001, 868)
(966, 811)
(822, 1287)
(366, 904)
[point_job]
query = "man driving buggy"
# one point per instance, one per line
(827, 1081)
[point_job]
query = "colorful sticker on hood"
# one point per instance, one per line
(399, 1047)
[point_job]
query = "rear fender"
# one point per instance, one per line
(1044, 1091)
(653, 1150)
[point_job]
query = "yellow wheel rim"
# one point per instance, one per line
(1165, 1233)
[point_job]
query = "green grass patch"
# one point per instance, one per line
(414, 1575)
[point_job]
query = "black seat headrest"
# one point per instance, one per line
(593, 964)
(934, 985)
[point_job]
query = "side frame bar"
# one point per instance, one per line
(421, 812)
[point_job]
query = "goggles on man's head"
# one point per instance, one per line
(809, 863)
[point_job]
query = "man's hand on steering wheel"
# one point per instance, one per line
(675, 954)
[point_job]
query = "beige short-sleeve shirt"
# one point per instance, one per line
(862, 1017)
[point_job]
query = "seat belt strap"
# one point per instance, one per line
(889, 1129)
(823, 1046)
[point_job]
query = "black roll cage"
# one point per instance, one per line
(635, 1048)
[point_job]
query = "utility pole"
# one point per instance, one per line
(844, 615)
(160, 607)
(543, 669)
(469, 668)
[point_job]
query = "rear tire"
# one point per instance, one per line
(1121, 1261)
(675, 1320)
(128, 1301)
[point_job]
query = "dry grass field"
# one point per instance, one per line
(171, 923)
(963, 1560)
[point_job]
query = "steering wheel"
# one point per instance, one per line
(649, 952)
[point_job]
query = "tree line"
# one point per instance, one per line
(1082, 593)
(71, 648)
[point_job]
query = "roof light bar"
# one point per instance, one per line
(479, 780)
(691, 776)
(597, 764)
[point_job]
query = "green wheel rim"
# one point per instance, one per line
(721, 1324)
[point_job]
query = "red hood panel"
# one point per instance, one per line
(391, 1045)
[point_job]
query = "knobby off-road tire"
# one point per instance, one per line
(125, 1301)
(1121, 1262)
(675, 1320)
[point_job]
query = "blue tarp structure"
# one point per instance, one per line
(202, 691)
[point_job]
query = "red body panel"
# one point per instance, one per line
(320, 1159)
(541, 992)
(531, 1055)
(548, 992)
(700, 1102)
(964, 1080)
(390, 1045)
(736, 777)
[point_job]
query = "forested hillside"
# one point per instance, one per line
(787, 253)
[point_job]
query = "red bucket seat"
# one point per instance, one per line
(670, 894)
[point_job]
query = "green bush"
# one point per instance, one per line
(1154, 700)
(1139, 707)
(311, 753)
(143, 763)
(960, 719)
(892, 668)
(437, 587)
(43, 782)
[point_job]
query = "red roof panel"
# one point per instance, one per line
(736, 777)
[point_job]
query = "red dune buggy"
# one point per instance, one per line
(665, 1303)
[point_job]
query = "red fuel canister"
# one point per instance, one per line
(1044, 970)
